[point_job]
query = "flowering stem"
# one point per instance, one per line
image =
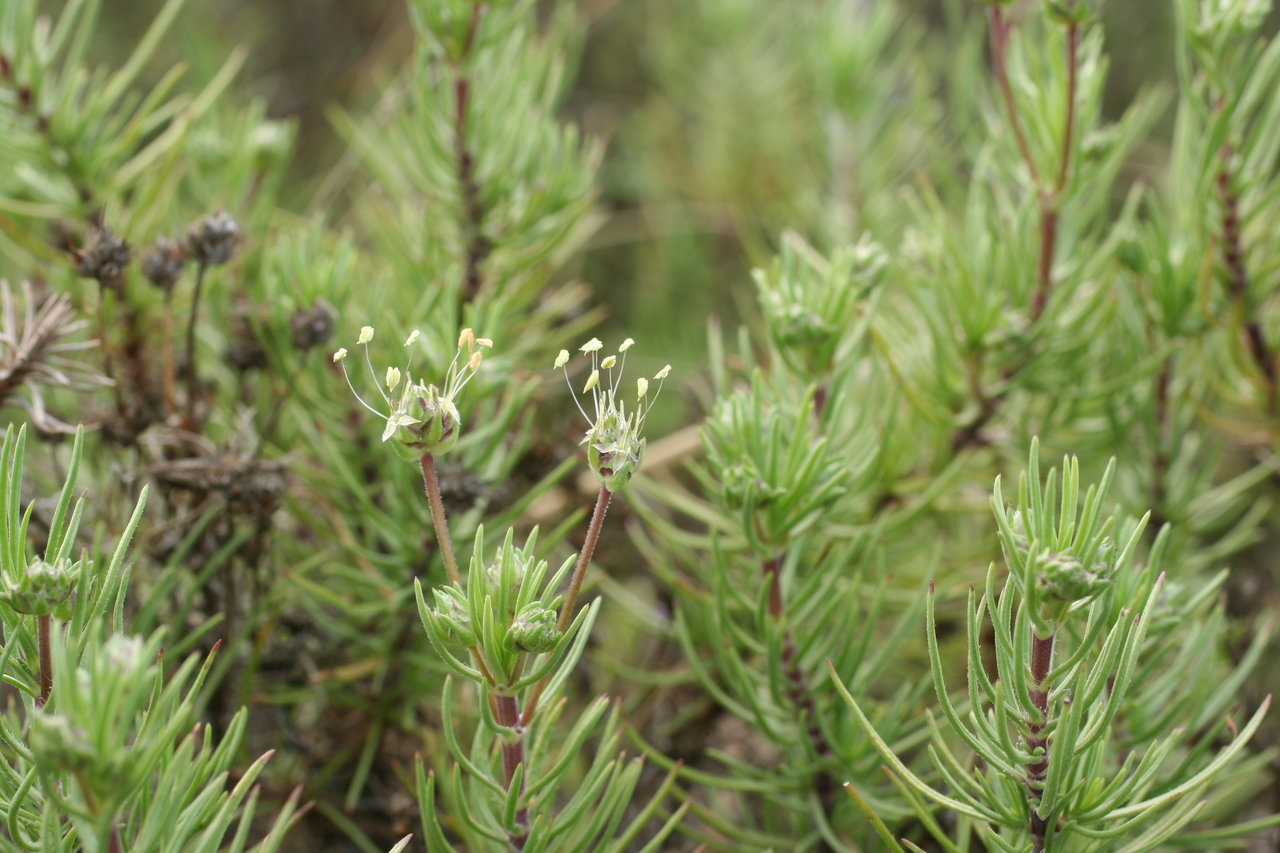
(584, 558)
(45, 676)
(114, 845)
(575, 585)
(432, 484)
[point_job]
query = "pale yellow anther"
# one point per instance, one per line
(626, 345)
(339, 355)
(662, 374)
(413, 336)
(393, 377)
(475, 359)
(591, 381)
(609, 361)
(485, 342)
(366, 335)
(467, 339)
(642, 388)
(561, 360)
(591, 346)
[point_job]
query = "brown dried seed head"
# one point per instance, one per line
(311, 327)
(104, 257)
(213, 239)
(163, 264)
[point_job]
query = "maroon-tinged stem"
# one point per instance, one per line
(1068, 130)
(584, 558)
(507, 711)
(431, 484)
(114, 845)
(508, 708)
(45, 676)
(1049, 199)
(999, 51)
(1238, 280)
(1041, 660)
(575, 585)
(477, 246)
(770, 569)
(797, 685)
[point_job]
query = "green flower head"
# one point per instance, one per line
(422, 418)
(614, 442)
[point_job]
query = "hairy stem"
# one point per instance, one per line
(575, 585)
(45, 676)
(432, 485)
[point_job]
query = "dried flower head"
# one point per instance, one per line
(614, 442)
(423, 418)
(103, 257)
(163, 265)
(38, 348)
(213, 239)
(312, 327)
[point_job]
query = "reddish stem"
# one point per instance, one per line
(45, 676)
(1041, 660)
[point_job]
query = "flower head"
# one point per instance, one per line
(614, 442)
(422, 418)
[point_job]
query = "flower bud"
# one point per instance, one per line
(59, 745)
(1065, 578)
(43, 589)
(534, 630)
(452, 618)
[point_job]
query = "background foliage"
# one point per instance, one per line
(929, 293)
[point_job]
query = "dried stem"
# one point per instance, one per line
(45, 676)
(190, 366)
(170, 401)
